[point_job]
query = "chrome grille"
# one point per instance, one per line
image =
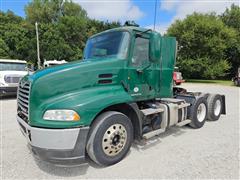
(23, 100)
(12, 78)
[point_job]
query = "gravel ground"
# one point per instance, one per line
(209, 152)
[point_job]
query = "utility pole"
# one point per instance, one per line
(38, 51)
(155, 14)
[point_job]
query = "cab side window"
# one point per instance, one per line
(140, 52)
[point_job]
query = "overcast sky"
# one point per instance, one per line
(141, 11)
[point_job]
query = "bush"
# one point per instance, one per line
(203, 68)
(203, 41)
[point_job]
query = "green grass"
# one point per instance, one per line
(221, 82)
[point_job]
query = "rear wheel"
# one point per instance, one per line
(236, 82)
(110, 138)
(198, 113)
(214, 107)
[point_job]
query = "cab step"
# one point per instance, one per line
(183, 123)
(153, 133)
(150, 111)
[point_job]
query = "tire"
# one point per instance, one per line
(236, 82)
(110, 138)
(214, 107)
(198, 113)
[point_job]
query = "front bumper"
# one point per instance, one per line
(64, 147)
(179, 81)
(8, 91)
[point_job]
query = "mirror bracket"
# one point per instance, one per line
(154, 50)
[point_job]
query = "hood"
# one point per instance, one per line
(55, 69)
(15, 73)
(73, 77)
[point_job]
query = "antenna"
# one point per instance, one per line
(155, 14)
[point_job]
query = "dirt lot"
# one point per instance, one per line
(209, 152)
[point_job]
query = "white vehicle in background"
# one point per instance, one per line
(11, 71)
(53, 63)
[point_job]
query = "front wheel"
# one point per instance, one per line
(198, 113)
(110, 138)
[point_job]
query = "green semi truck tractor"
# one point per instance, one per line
(121, 91)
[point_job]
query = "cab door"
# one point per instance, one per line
(142, 74)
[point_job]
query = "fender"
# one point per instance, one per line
(87, 103)
(138, 121)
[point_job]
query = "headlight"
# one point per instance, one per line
(1, 84)
(61, 115)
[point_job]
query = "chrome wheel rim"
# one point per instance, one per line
(201, 112)
(114, 139)
(217, 107)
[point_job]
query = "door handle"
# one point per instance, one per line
(140, 70)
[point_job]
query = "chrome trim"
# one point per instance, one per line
(23, 94)
(22, 107)
(23, 91)
(23, 100)
(25, 114)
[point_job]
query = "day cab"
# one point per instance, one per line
(121, 91)
(11, 71)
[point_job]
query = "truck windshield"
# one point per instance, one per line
(108, 45)
(7, 66)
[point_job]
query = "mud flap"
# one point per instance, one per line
(223, 105)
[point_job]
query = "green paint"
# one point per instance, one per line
(76, 85)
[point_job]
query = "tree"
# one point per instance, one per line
(52, 45)
(43, 11)
(64, 28)
(14, 35)
(95, 26)
(3, 49)
(203, 40)
(231, 17)
(73, 30)
(50, 11)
